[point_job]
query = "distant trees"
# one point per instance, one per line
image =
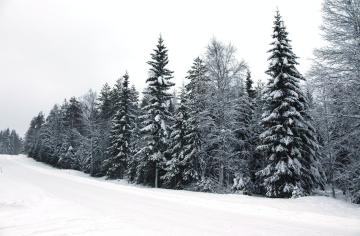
(10, 142)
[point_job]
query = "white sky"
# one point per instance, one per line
(52, 50)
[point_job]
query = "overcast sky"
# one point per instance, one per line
(52, 50)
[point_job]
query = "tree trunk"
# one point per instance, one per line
(156, 176)
(91, 157)
(221, 176)
(332, 162)
(332, 177)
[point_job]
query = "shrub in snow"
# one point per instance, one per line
(242, 185)
(297, 192)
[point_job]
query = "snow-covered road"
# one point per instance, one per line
(36, 199)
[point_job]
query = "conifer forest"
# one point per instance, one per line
(220, 131)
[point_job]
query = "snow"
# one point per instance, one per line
(276, 80)
(276, 94)
(287, 140)
(285, 61)
(160, 80)
(274, 61)
(147, 128)
(39, 200)
(289, 132)
(163, 126)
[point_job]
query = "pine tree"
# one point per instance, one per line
(135, 140)
(10, 143)
(73, 115)
(74, 122)
(288, 140)
(51, 134)
(243, 147)
(16, 142)
(7, 139)
(155, 130)
(115, 96)
(178, 141)
(251, 92)
(32, 137)
(105, 104)
(67, 157)
(196, 102)
(119, 150)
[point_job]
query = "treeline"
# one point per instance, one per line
(201, 138)
(218, 134)
(10, 142)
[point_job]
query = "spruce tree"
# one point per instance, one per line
(251, 92)
(178, 141)
(73, 115)
(135, 139)
(52, 132)
(196, 103)
(119, 150)
(243, 160)
(105, 104)
(155, 129)
(32, 137)
(288, 140)
(67, 158)
(115, 97)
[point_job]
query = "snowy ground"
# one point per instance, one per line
(36, 199)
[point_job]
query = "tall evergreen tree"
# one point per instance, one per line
(178, 141)
(16, 142)
(74, 122)
(196, 102)
(135, 139)
(288, 139)
(243, 147)
(119, 150)
(156, 130)
(105, 106)
(52, 132)
(32, 136)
